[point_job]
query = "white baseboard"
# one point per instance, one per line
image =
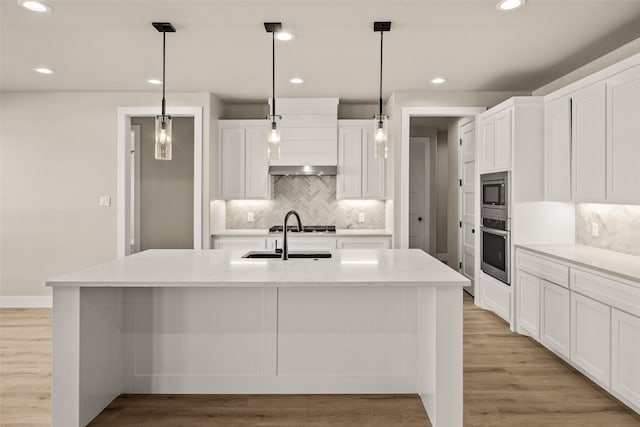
(26, 302)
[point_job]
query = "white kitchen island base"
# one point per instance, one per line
(354, 335)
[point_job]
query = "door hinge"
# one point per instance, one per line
(460, 224)
(460, 181)
(460, 141)
(460, 265)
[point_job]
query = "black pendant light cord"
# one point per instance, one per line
(273, 77)
(381, 35)
(164, 42)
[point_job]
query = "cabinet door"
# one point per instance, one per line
(555, 320)
(625, 355)
(296, 243)
(373, 170)
(557, 147)
(363, 242)
(487, 144)
(623, 137)
(257, 179)
(232, 164)
(503, 140)
(244, 243)
(590, 337)
(349, 180)
(588, 143)
(528, 304)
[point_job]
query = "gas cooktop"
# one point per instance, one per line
(305, 229)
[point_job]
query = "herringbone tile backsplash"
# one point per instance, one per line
(619, 227)
(314, 197)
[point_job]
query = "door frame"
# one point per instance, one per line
(463, 122)
(124, 170)
(426, 206)
(407, 114)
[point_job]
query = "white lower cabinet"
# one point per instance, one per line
(304, 243)
(247, 243)
(625, 356)
(364, 243)
(591, 337)
(555, 306)
(528, 308)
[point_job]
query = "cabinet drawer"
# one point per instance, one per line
(544, 268)
(611, 292)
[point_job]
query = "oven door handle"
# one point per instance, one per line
(494, 231)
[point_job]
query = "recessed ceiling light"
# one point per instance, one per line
(510, 4)
(438, 80)
(43, 70)
(296, 80)
(284, 36)
(35, 6)
(154, 81)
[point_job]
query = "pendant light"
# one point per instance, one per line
(381, 145)
(163, 121)
(274, 134)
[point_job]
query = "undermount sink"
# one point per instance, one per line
(292, 254)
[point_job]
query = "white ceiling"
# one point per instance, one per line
(221, 46)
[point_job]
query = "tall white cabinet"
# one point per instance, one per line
(360, 174)
(243, 159)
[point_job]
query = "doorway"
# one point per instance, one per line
(163, 207)
(164, 203)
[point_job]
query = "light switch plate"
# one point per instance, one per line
(595, 229)
(105, 201)
(361, 217)
(250, 217)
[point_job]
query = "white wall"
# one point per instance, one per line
(57, 156)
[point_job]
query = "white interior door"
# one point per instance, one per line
(467, 201)
(418, 193)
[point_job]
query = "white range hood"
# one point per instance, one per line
(309, 133)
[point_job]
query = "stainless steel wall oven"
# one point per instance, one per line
(495, 236)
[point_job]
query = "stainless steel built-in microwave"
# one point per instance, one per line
(493, 190)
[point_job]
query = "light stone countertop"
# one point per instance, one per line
(614, 263)
(265, 233)
(220, 267)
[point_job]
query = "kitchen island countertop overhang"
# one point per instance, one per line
(212, 322)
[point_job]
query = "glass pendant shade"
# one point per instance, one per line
(273, 146)
(380, 140)
(163, 137)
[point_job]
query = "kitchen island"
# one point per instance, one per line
(210, 321)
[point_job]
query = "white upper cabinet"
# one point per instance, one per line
(244, 165)
(557, 143)
(360, 174)
(503, 143)
(232, 166)
(623, 137)
(487, 144)
(588, 143)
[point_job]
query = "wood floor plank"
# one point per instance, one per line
(509, 380)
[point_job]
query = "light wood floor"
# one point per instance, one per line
(509, 380)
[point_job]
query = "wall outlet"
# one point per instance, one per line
(250, 217)
(361, 217)
(105, 201)
(595, 229)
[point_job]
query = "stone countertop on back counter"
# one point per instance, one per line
(610, 262)
(265, 233)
